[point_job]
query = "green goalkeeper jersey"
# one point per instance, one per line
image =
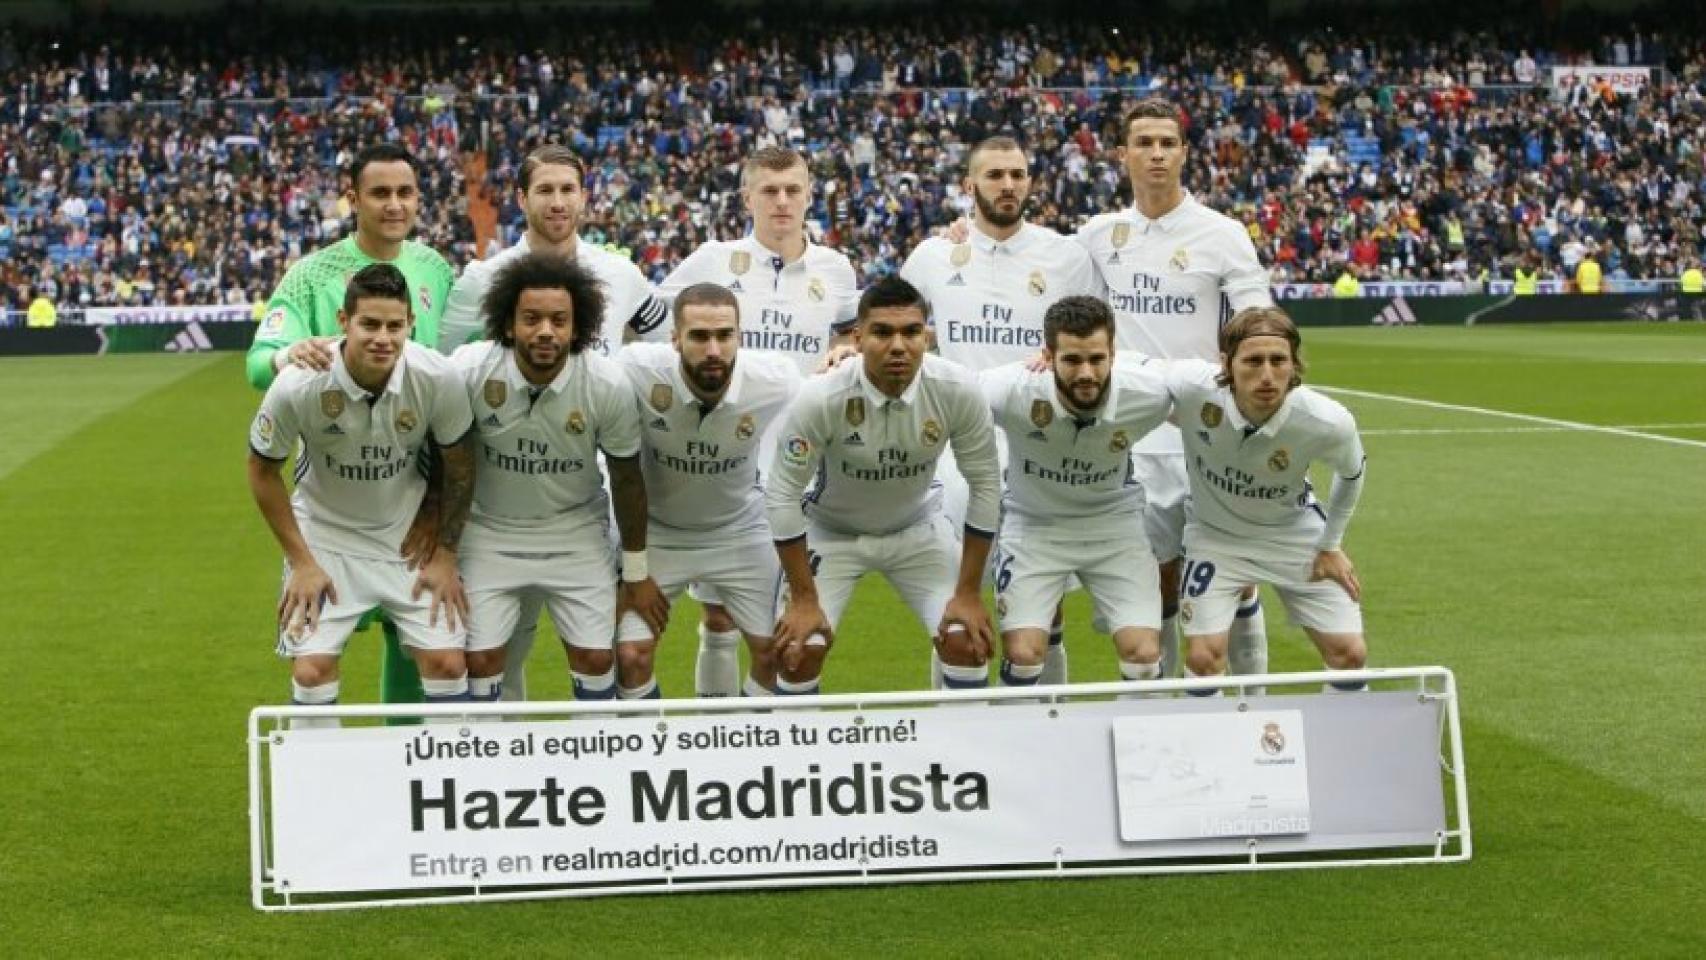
(307, 301)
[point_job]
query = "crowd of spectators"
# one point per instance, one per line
(192, 161)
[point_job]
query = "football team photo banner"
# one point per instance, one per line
(600, 799)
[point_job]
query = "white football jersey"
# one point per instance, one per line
(628, 300)
(1069, 475)
(701, 465)
(358, 479)
(791, 308)
(537, 484)
(874, 457)
(1250, 491)
(987, 298)
(1173, 281)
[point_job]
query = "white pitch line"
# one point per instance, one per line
(1452, 431)
(1527, 418)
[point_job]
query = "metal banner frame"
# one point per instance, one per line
(1453, 844)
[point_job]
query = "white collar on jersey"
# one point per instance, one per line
(1169, 221)
(880, 399)
(1236, 417)
(341, 375)
(518, 380)
(730, 396)
(1016, 244)
(762, 254)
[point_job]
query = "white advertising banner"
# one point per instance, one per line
(1622, 79)
(106, 316)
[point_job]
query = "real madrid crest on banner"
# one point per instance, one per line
(1279, 461)
(1042, 413)
(576, 422)
(1122, 234)
(746, 427)
(855, 411)
(1211, 415)
(1037, 285)
(961, 255)
(495, 392)
(1181, 260)
(662, 397)
(407, 420)
(1273, 741)
(332, 403)
(740, 262)
(815, 290)
(1119, 442)
(932, 432)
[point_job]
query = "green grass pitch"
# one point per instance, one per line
(1560, 571)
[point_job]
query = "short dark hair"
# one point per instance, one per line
(1151, 108)
(706, 295)
(1077, 316)
(550, 155)
(380, 281)
(379, 153)
(1260, 322)
(999, 142)
(544, 271)
(890, 291)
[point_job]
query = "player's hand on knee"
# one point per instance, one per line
(306, 590)
(314, 353)
(1334, 565)
(439, 577)
(965, 629)
(802, 624)
(645, 599)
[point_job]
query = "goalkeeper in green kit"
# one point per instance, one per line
(301, 325)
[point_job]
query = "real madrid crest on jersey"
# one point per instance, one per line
(1120, 441)
(855, 411)
(746, 427)
(1037, 285)
(1181, 261)
(576, 423)
(495, 393)
(815, 290)
(740, 262)
(662, 397)
(407, 420)
(932, 432)
(961, 255)
(332, 403)
(1042, 413)
(1279, 461)
(1211, 415)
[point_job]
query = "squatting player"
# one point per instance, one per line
(705, 404)
(795, 298)
(301, 320)
(552, 196)
(545, 404)
(1072, 507)
(989, 284)
(1172, 267)
(363, 423)
(871, 433)
(1251, 431)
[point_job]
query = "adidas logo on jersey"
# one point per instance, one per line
(956, 281)
(854, 440)
(1114, 257)
(659, 423)
(1205, 438)
(334, 429)
(1037, 435)
(491, 421)
(735, 287)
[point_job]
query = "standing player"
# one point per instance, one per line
(871, 432)
(552, 196)
(705, 403)
(1072, 507)
(795, 298)
(1251, 432)
(301, 321)
(545, 406)
(988, 293)
(1174, 270)
(363, 423)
